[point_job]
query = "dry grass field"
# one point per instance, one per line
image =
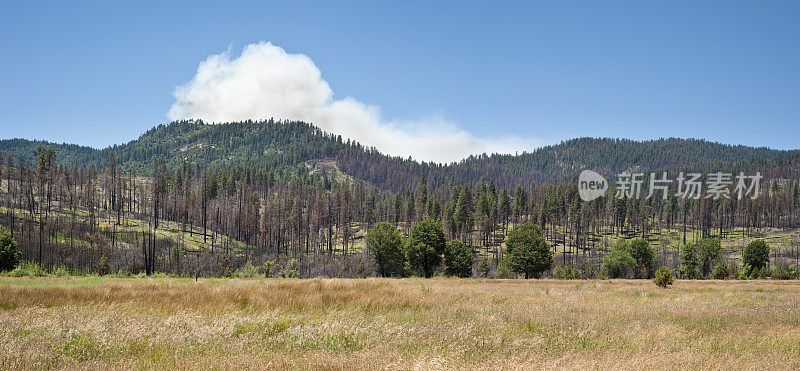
(397, 324)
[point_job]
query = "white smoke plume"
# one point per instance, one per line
(267, 82)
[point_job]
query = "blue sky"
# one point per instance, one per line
(98, 73)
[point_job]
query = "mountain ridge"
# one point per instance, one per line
(291, 145)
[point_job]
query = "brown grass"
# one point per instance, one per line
(397, 324)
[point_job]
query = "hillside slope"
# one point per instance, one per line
(290, 146)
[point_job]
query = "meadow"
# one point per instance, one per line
(94, 323)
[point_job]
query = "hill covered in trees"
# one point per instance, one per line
(190, 198)
(289, 147)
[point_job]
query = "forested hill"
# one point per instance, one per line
(296, 147)
(613, 156)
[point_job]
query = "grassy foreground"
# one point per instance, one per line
(397, 324)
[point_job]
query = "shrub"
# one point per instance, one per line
(528, 252)
(644, 255)
(269, 268)
(756, 254)
(484, 268)
(17, 272)
(386, 246)
(784, 272)
(458, 259)
(246, 271)
(425, 246)
(733, 270)
(619, 263)
(291, 270)
(60, 271)
(27, 269)
(763, 273)
(225, 266)
(589, 271)
(690, 262)
(663, 277)
(558, 272)
(745, 273)
(9, 253)
(103, 267)
(752, 273)
(504, 272)
(122, 273)
(565, 272)
(720, 271)
(710, 252)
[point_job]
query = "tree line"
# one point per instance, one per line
(292, 146)
(194, 220)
